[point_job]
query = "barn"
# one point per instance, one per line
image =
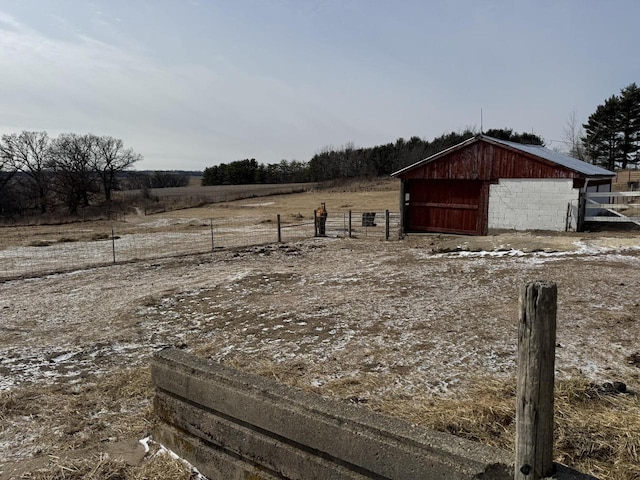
(485, 183)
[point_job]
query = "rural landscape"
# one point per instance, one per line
(422, 328)
(298, 240)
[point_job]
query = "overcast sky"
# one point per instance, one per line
(189, 84)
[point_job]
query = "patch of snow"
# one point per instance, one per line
(263, 204)
(145, 443)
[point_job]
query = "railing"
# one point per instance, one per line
(612, 207)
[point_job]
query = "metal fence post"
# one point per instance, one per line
(279, 230)
(386, 224)
(211, 226)
(534, 392)
(113, 244)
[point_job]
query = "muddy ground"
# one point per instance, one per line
(360, 320)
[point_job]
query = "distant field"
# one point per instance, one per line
(222, 193)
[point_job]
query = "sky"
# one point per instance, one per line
(194, 83)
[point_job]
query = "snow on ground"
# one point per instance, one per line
(338, 316)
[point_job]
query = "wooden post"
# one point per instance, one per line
(279, 230)
(534, 392)
(386, 224)
(349, 223)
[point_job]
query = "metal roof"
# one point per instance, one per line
(539, 151)
(571, 163)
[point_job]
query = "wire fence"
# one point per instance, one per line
(126, 243)
(363, 225)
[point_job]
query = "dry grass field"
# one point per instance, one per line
(423, 329)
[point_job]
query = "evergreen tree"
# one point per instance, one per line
(603, 139)
(511, 136)
(629, 117)
(612, 133)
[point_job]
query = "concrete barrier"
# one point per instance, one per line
(234, 425)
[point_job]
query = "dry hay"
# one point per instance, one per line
(595, 432)
(78, 422)
(66, 418)
(102, 467)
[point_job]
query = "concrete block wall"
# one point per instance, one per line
(234, 425)
(532, 204)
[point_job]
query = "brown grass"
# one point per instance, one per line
(595, 433)
(101, 409)
(102, 467)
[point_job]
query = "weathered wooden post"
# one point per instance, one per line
(534, 392)
(349, 223)
(279, 230)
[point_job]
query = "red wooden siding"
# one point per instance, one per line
(487, 162)
(450, 206)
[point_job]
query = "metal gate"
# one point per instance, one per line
(619, 207)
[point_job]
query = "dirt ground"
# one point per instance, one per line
(360, 320)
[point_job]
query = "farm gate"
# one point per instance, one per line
(610, 207)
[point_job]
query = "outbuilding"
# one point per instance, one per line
(485, 183)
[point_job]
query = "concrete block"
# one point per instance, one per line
(292, 434)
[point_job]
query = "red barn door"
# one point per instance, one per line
(448, 206)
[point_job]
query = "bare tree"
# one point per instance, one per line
(7, 192)
(572, 134)
(75, 180)
(7, 168)
(111, 158)
(29, 153)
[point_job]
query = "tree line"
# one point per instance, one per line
(349, 161)
(40, 173)
(612, 133)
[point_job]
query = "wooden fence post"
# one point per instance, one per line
(279, 230)
(534, 392)
(349, 223)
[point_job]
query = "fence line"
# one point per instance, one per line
(126, 243)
